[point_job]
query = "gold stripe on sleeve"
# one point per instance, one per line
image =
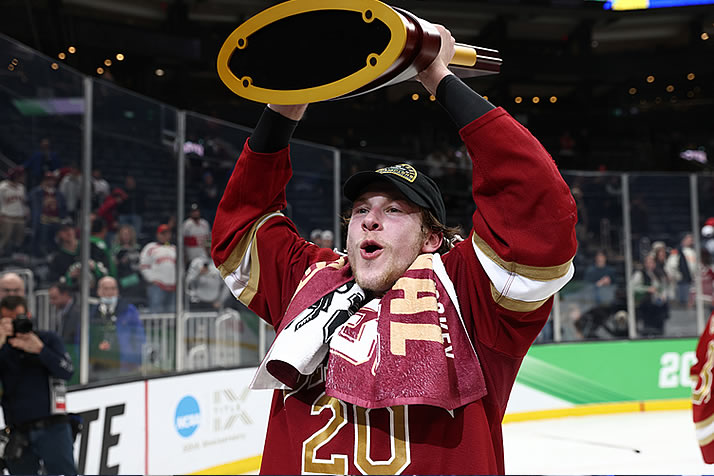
(236, 257)
(515, 304)
(536, 273)
(251, 289)
(704, 423)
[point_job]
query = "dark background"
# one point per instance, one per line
(589, 58)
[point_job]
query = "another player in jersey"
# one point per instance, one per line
(399, 357)
(702, 403)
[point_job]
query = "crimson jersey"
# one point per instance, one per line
(702, 404)
(519, 253)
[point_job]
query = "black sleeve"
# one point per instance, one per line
(54, 357)
(272, 133)
(461, 102)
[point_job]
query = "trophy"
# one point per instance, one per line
(304, 51)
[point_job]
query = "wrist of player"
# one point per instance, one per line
(291, 111)
(432, 76)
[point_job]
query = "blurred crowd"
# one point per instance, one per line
(132, 265)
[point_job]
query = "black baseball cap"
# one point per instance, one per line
(416, 186)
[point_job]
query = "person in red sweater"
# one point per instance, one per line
(109, 210)
(399, 357)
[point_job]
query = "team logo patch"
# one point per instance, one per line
(405, 171)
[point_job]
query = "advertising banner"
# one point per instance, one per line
(619, 371)
(205, 420)
(113, 438)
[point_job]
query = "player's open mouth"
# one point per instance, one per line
(370, 249)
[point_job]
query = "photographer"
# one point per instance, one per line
(33, 370)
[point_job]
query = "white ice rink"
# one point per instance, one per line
(653, 442)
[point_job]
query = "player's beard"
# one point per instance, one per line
(379, 275)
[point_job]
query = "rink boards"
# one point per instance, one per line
(211, 423)
(173, 425)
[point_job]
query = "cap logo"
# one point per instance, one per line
(405, 171)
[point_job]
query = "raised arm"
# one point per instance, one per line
(524, 225)
(256, 248)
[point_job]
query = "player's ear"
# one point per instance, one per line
(432, 242)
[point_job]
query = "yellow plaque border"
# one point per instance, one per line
(368, 73)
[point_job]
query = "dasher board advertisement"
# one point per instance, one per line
(205, 420)
(113, 438)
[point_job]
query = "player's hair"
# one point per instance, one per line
(451, 234)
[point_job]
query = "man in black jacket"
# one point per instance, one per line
(33, 369)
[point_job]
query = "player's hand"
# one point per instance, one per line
(439, 68)
(29, 342)
(291, 111)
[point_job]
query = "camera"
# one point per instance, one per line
(21, 324)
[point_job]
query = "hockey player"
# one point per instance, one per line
(399, 357)
(702, 404)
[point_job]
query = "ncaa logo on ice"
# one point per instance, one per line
(188, 416)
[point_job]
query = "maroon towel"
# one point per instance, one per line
(409, 347)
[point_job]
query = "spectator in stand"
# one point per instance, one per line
(70, 186)
(11, 284)
(131, 210)
(327, 239)
(681, 267)
(127, 256)
(204, 285)
(196, 233)
(158, 266)
(40, 162)
(100, 189)
(65, 263)
(13, 211)
(116, 334)
(650, 286)
(48, 209)
(661, 254)
(316, 236)
(109, 211)
(99, 249)
(602, 277)
(208, 196)
(708, 236)
(66, 303)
